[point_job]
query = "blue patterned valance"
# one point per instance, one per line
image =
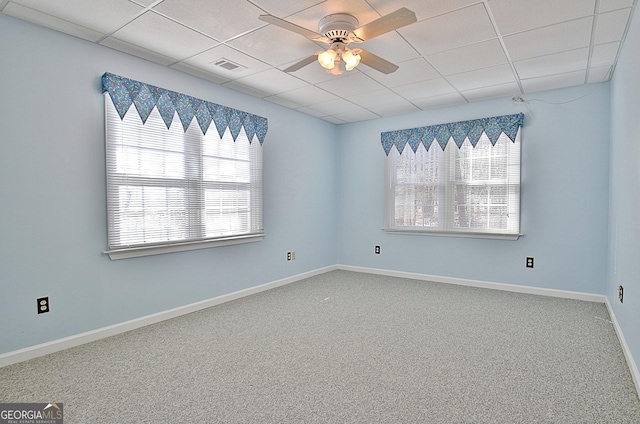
(459, 131)
(145, 97)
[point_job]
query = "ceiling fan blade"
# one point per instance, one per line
(302, 63)
(294, 28)
(386, 23)
(377, 63)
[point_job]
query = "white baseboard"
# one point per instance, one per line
(589, 297)
(633, 368)
(101, 333)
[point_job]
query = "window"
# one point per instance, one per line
(440, 188)
(172, 189)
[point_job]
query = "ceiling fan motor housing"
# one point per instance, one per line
(338, 27)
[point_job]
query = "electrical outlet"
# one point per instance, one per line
(43, 305)
(377, 250)
(288, 256)
(293, 255)
(620, 293)
(529, 262)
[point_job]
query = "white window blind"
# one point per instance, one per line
(466, 190)
(170, 187)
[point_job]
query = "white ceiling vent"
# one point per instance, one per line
(228, 64)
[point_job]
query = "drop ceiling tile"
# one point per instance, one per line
(334, 119)
(358, 115)
(282, 102)
(206, 60)
(389, 46)
(282, 9)
(200, 73)
(351, 84)
(375, 98)
(468, 58)
(98, 15)
(423, 9)
(445, 32)
(411, 71)
(333, 107)
(609, 5)
(552, 64)
(552, 82)
(513, 16)
(290, 47)
(252, 91)
(309, 18)
(551, 39)
(395, 108)
(312, 112)
(610, 26)
(48, 21)
(272, 81)
(164, 36)
(134, 50)
(599, 74)
(501, 74)
(440, 101)
(220, 21)
(493, 92)
(307, 95)
(604, 54)
(424, 89)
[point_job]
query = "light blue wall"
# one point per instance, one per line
(564, 196)
(624, 239)
(52, 186)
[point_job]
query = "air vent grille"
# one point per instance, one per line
(229, 65)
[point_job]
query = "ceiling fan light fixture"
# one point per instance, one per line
(327, 59)
(340, 29)
(351, 59)
(336, 70)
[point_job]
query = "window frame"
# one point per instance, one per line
(445, 227)
(194, 241)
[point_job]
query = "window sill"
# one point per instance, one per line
(493, 236)
(135, 252)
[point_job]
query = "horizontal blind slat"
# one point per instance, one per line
(168, 185)
(466, 189)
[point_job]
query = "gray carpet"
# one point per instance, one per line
(345, 347)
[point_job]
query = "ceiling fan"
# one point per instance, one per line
(341, 29)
